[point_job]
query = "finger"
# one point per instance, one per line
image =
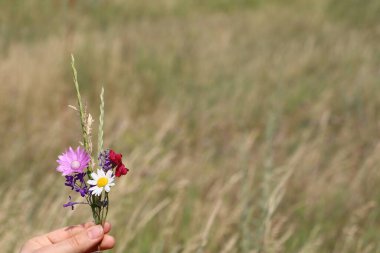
(79, 243)
(108, 242)
(89, 224)
(66, 232)
(107, 227)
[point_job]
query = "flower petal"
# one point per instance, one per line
(94, 176)
(109, 174)
(93, 188)
(101, 173)
(91, 182)
(99, 190)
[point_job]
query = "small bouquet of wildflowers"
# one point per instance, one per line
(90, 175)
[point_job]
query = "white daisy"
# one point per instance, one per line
(101, 181)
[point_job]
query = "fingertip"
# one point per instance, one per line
(95, 232)
(108, 242)
(107, 227)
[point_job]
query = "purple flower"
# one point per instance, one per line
(73, 161)
(72, 203)
(105, 161)
(77, 183)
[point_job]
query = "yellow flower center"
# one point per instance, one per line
(102, 182)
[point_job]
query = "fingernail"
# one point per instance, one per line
(95, 232)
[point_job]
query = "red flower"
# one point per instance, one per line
(115, 158)
(121, 170)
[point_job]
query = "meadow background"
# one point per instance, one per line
(248, 125)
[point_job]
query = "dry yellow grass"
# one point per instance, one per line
(248, 126)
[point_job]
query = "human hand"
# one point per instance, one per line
(83, 238)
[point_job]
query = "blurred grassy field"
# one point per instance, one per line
(248, 125)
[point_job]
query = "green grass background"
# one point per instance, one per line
(248, 125)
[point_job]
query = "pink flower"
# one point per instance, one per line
(73, 161)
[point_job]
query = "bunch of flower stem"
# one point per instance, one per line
(98, 204)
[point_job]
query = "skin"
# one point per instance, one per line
(85, 238)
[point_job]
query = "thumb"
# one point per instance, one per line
(79, 243)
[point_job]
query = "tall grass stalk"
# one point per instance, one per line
(101, 122)
(206, 232)
(82, 112)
